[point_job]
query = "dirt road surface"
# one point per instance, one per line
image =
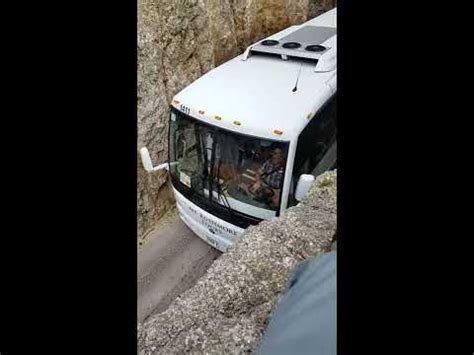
(170, 260)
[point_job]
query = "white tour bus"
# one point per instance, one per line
(247, 138)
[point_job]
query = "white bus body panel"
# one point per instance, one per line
(214, 231)
(258, 94)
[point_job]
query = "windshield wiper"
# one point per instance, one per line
(213, 177)
(221, 194)
(220, 190)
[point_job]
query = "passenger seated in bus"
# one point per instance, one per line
(269, 179)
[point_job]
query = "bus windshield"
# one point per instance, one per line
(239, 172)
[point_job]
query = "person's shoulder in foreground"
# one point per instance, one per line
(304, 321)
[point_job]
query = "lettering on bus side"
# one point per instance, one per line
(192, 210)
(209, 223)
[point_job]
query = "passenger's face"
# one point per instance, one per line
(277, 156)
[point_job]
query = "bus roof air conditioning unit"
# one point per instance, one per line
(306, 42)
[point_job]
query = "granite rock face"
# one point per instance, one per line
(317, 7)
(171, 38)
(179, 41)
(229, 308)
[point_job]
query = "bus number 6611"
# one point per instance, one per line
(185, 109)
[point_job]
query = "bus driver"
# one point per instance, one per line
(270, 178)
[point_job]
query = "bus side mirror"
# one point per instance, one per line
(304, 185)
(147, 163)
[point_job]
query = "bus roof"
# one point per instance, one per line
(255, 95)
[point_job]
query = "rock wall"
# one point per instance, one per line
(178, 41)
(172, 38)
(228, 309)
(317, 7)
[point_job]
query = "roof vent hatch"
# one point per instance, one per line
(291, 45)
(269, 42)
(315, 48)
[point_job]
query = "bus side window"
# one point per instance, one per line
(313, 143)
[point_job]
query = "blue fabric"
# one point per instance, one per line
(304, 322)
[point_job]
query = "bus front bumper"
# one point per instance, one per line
(214, 231)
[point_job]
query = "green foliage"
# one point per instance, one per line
(326, 181)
